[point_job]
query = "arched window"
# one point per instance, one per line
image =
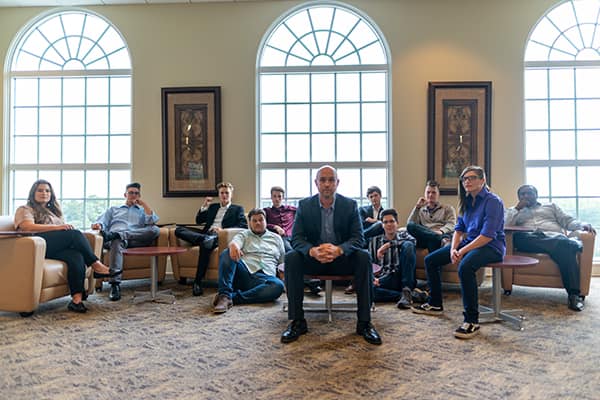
(70, 113)
(323, 98)
(562, 101)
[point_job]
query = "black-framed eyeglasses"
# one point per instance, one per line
(470, 178)
(133, 193)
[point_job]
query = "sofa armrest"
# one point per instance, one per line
(21, 272)
(225, 236)
(586, 258)
(96, 242)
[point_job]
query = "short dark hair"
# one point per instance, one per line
(533, 188)
(373, 189)
(432, 183)
(277, 189)
(390, 211)
(133, 185)
(256, 211)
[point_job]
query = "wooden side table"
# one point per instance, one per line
(496, 312)
(164, 296)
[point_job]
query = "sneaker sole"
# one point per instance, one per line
(426, 312)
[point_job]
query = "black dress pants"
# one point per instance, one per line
(73, 248)
(358, 264)
(560, 248)
(206, 241)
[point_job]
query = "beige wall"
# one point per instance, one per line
(216, 44)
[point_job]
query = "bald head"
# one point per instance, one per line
(326, 182)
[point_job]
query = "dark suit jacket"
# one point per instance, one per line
(367, 211)
(234, 217)
(307, 225)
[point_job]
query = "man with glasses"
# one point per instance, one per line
(394, 251)
(548, 222)
(132, 224)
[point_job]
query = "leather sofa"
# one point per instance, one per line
(185, 264)
(138, 267)
(546, 273)
(26, 277)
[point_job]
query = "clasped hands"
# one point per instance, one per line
(325, 252)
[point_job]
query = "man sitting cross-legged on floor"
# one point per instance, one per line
(394, 251)
(247, 269)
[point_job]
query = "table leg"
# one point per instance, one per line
(496, 312)
(164, 296)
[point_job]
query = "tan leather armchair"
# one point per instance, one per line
(26, 277)
(546, 273)
(185, 264)
(138, 267)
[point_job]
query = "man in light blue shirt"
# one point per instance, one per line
(132, 224)
(247, 268)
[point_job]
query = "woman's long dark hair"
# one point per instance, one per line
(41, 210)
(462, 193)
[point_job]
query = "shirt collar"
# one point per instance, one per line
(482, 193)
(332, 204)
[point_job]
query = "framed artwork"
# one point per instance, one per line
(459, 131)
(191, 122)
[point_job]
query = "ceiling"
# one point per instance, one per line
(54, 3)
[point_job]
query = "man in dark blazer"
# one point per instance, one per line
(327, 239)
(371, 215)
(215, 217)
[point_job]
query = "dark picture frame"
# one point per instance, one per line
(191, 123)
(459, 131)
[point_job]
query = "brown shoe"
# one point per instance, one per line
(221, 303)
(349, 289)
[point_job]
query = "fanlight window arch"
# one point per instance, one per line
(562, 99)
(323, 98)
(70, 112)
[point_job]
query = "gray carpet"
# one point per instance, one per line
(120, 350)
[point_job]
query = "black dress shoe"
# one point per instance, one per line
(197, 289)
(296, 328)
(367, 331)
(115, 292)
(98, 275)
(575, 302)
(108, 236)
(77, 307)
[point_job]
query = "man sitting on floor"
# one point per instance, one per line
(548, 223)
(394, 251)
(247, 269)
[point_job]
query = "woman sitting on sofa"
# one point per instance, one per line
(43, 215)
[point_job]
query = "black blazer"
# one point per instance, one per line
(234, 217)
(307, 225)
(366, 212)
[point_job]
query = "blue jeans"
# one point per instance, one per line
(467, 269)
(390, 286)
(242, 287)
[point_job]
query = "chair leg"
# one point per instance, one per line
(329, 298)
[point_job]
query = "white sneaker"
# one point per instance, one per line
(467, 330)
